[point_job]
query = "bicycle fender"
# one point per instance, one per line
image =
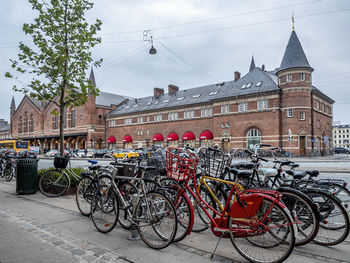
(324, 192)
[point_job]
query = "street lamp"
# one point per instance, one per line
(149, 38)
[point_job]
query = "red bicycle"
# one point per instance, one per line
(259, 225)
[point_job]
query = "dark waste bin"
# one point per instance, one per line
(27, 176)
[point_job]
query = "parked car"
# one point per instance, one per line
(99, 154)
(27, 154)
(341, 150)
(122, 153)
(90, 153)
(51, 153)
(143, 151)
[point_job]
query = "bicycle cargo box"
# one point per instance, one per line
(60, 162)
(126, 170)
(251, 203)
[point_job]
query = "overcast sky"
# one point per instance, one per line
(200, 42)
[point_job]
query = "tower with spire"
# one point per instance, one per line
(252, 64)
(295, 82)
(13, 106)
(92, 78)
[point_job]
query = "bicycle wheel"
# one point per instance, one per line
(334, 219)
(156, 219)
(104, 209)
(8, 173)
(53, 183)
(201, 220)
(83, 196)
(342, 193)
(127, 191)
(304, 212)
(272, 241)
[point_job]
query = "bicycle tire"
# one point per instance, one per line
(127, 190)
(104, 209)
(305, 211)
(84, 194)
(151, 212)
(334, 219)
(278, 222)
(53, 183)
(8, 173)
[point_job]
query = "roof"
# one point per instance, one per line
(248, 84)
(294, 56)
(13, 104)
(342, 126)
(252, 64)
(109, 99)
(92, 78)
(314, 89)
(35, 101)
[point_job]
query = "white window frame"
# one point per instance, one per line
(128, 121)
(111, 123)
(302, 115)
(259, 104)
(290, 113)
(158, 117)
(302, 76)
(289, 77)
(265, 104)
(140, 119)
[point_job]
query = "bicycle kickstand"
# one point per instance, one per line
(217, 244)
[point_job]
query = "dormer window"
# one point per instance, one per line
(156, 102)
(248, 85)
(196, 96)
(181, 98)
(135, 106)
(165, 101)
(213, 93)
(243, 86)
(258, 84)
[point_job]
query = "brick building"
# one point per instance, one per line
(341, 135)
(260, 107)
(84, 126)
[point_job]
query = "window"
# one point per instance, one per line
(31, 123)
(318, 125)
(243, 86)
(189, 114)
(72, 121)
(148, 119)
(253, 137)
(147, 132)
(302, 116)
(317, 105)
(262, 104)
(207, 112)
(135, 106)
(172, 116)
(196, 96)
(158, 117)
(289, 77)
(213, 93)
(128, 121)
(279, 81)
(290, 113)
(258, 84)
(140, 119)
(111, 123)
(249, 85)
(165, 101)
(54, 121)
(20, 125)
(181, 98)
(225, 108)
(302, 76)
(243, 106)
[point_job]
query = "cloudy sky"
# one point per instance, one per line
(200, 42)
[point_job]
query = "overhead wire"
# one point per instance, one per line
(189, 64)
(127, 51)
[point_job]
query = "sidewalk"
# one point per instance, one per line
(35, 228)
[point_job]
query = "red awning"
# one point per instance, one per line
(206, 135)
(172, 137)
(158, 137)
(111, 139)
(188, 136)
(127, 138)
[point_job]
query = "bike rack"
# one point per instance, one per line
(133, 236)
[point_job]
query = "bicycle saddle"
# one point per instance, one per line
(243, 165)
(312, 173)
(296, 174)
(94, 167)
(241, 174)
(92, 161)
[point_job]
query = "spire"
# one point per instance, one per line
(13, 105)
(252, 64)
(294, 56)
(92, 78)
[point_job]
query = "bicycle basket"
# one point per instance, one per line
(180, 163)
(60, 162)
(213, 161)
(126, 169)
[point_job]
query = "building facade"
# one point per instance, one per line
(341, 136)
(279, 107)
(84, 126)
(5, 130)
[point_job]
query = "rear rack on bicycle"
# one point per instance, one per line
(332, 181)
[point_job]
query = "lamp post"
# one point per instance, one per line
(147, 36)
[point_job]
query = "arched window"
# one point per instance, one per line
(253, 137)
(20, 125)
(31, 123)
(25, 128)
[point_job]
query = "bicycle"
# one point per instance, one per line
(257, 222)
(151, 213)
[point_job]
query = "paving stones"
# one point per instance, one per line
(82, 250)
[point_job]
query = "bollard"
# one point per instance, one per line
(133, 233)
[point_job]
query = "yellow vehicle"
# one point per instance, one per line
(16, 145)
(121, 154)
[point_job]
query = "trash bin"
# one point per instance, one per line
(27, 176)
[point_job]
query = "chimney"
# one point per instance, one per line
(172, 89)
(263, 67)
(237, 75)
(158, 92)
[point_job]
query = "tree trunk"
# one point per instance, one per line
(62, 122)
